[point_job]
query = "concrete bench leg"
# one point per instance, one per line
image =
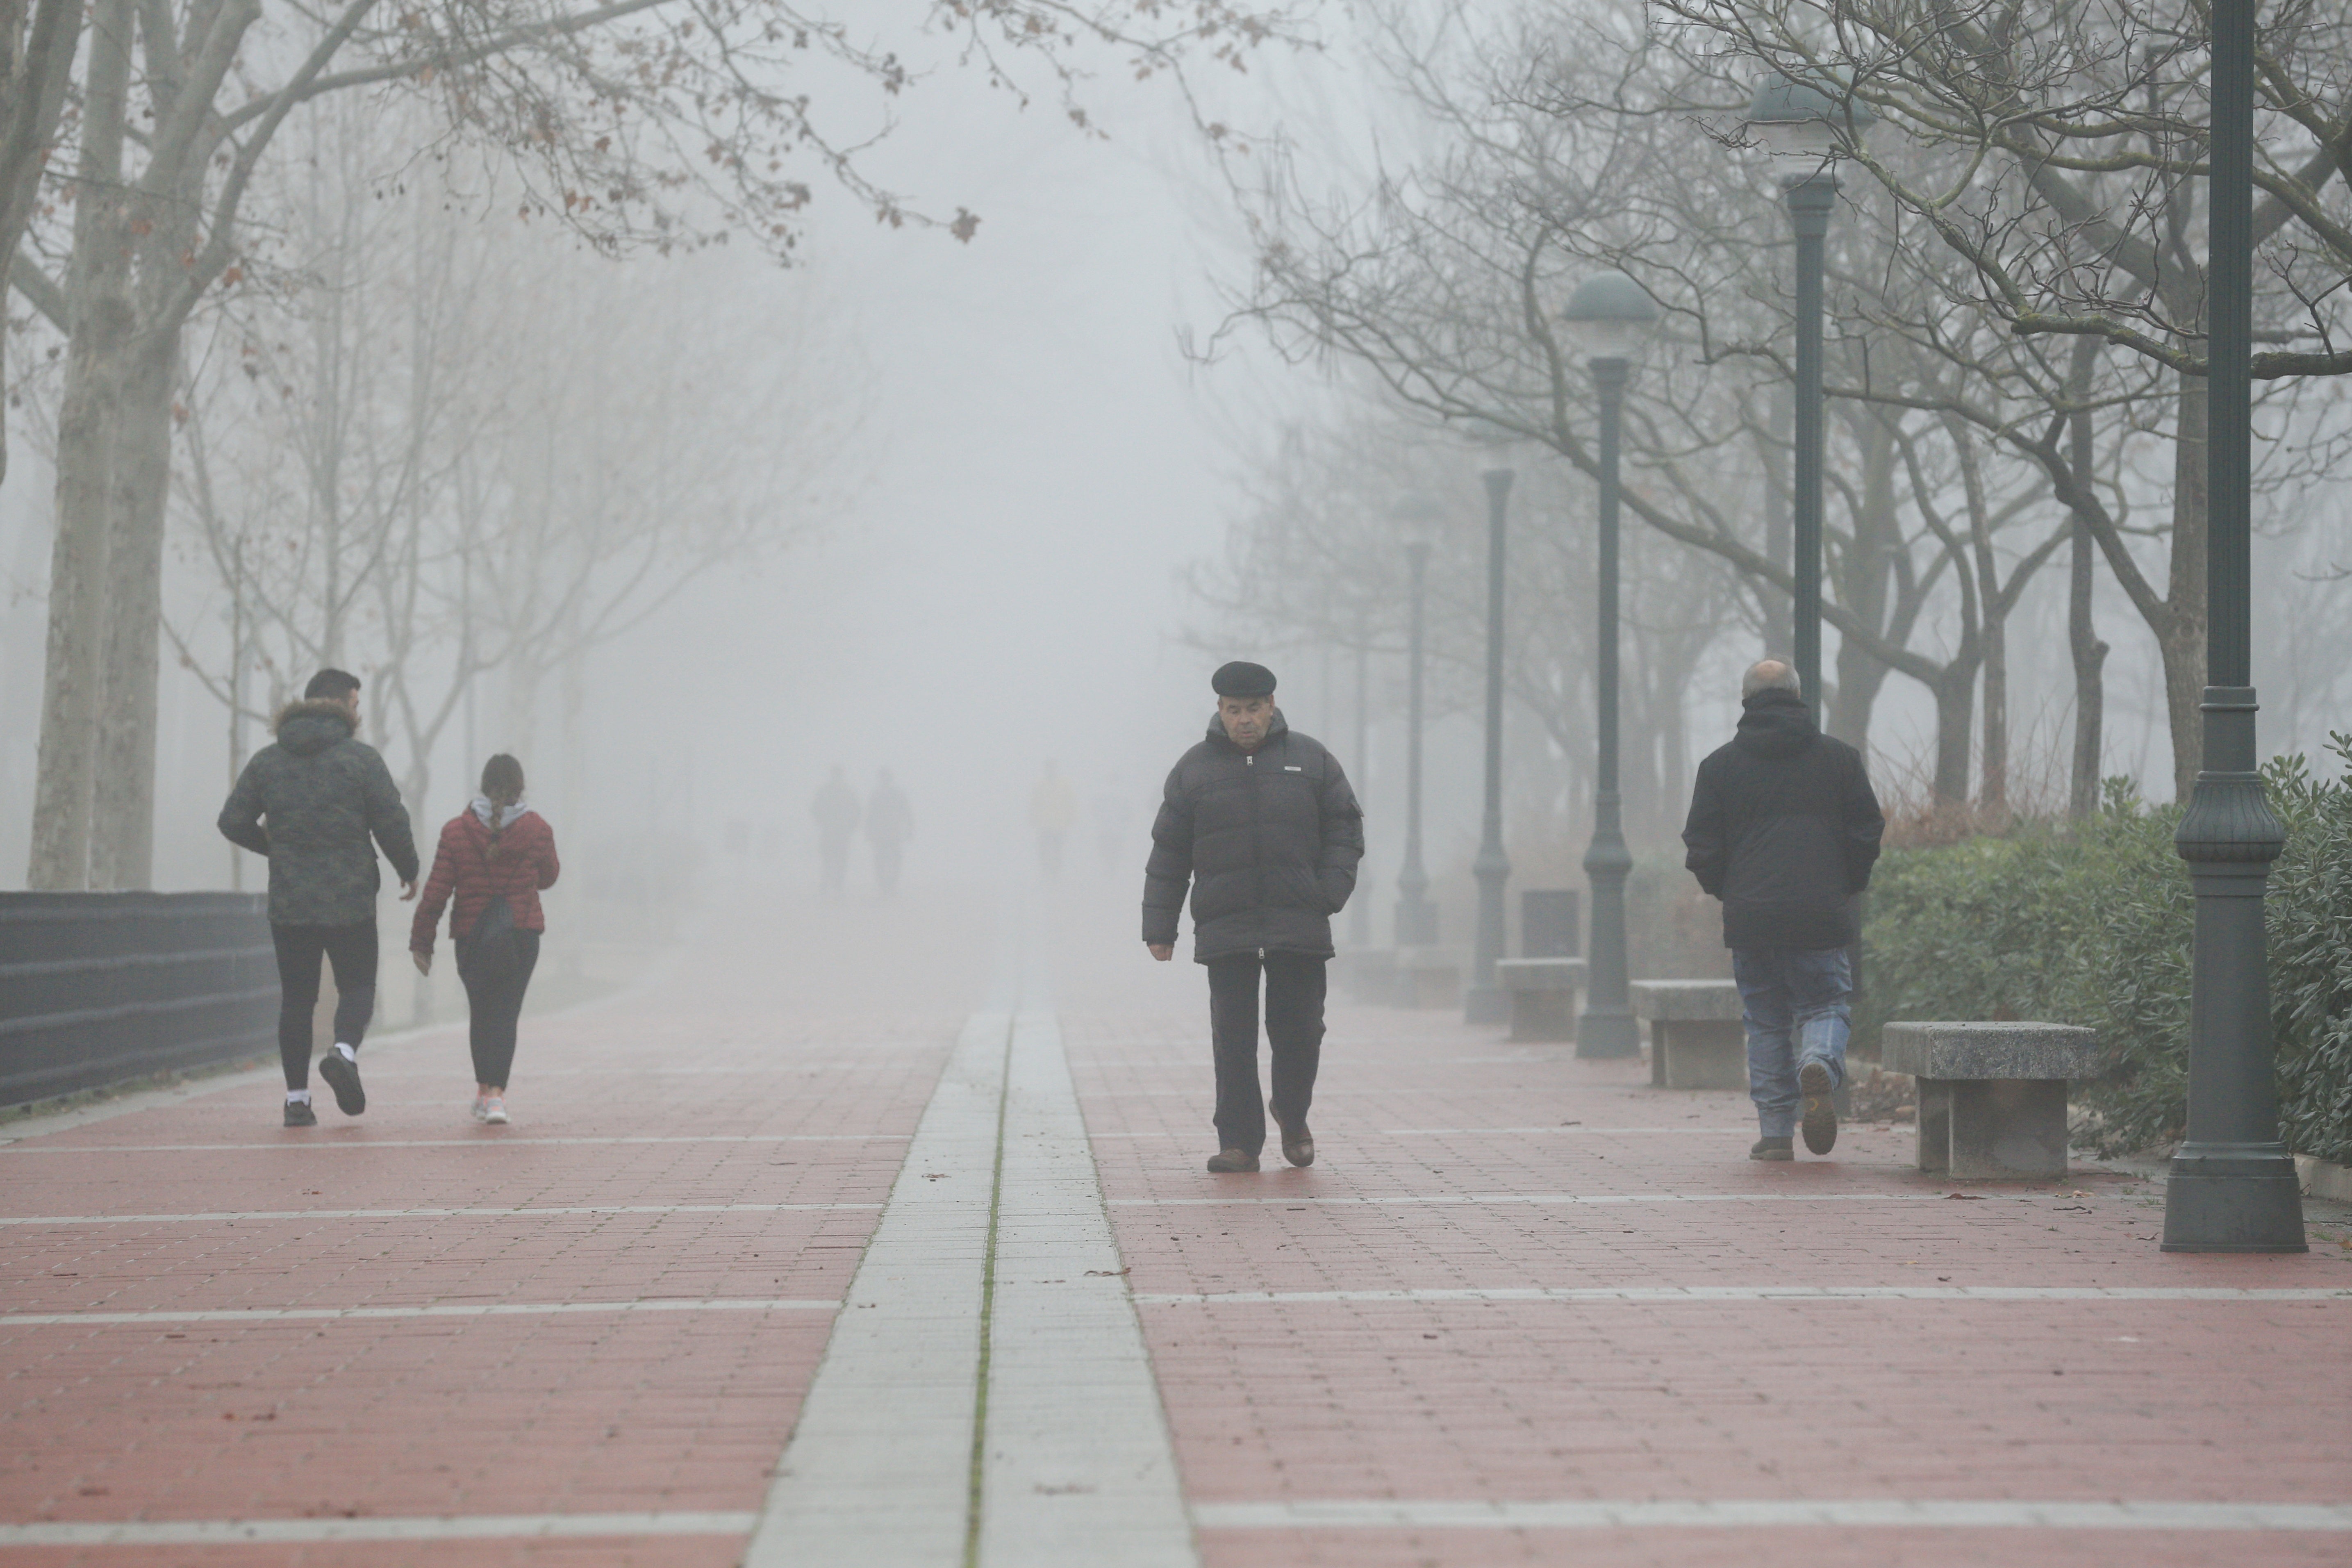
(1992, 1127)
(1711, 1055)
(1543, 1015)
(1658, 1053)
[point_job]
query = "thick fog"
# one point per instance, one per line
(988, 504)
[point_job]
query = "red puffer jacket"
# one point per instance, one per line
(468, 868)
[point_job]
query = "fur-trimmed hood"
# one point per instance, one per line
(310, 726)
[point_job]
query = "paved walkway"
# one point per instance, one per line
(796, 1255)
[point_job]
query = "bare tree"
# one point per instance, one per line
(655, 123)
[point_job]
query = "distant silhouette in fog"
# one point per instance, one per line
(889, 823)
(1052, 812)
(836, 811)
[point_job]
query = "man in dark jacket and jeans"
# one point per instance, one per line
(1260, 821)
(323, 794)
(1783, 828)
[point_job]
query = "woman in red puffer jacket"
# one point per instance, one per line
(498, 850)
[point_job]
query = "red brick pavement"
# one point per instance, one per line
(774, 1043)
(1551, 1400)
(809, 1044)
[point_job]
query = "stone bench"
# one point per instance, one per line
(1696, 1038)
(1992, 1097)
(1543, 995)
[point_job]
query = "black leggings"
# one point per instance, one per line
(1294, 1030)
(352, 950)
(497, 1007)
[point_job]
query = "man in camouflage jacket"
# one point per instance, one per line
(312, 803)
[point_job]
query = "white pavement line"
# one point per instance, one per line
(1705, 1293)
(879, 1468)
(1480, 1198)
(1077, 1452)
(479, 1141)
(436, 1310)
(303, 1531)
(1870, 1512)
(231, 1215)
(1565, 1127)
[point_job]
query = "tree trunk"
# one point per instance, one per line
(1994, 794)
(98, 304)
(2181, 641)
(1954, 689)
(122, 831)
(1861, 571)
(2090, 655)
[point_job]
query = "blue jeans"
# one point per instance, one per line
(1796, 1005)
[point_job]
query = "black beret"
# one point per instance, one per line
(1243, 679)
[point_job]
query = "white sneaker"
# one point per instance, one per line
(481, 1109)
(494, 1110)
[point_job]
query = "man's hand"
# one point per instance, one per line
(1162, 951)
(409, 890)
(423, 961)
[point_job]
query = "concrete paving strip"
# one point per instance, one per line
(1304, 1199)
(231, 1215)
(305, 1532)
(434, 1309)
(308, 1143)
(1705, 1293)
(879, 1468)
(1869, 1512)
(1077, 1449)
(985, 1398)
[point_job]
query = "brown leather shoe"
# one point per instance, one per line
(1299, 1148)
(1232, 1161)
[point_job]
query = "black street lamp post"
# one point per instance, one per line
(1803, 125)
(1486, 1003)
(2232, 1185)
(1416, 917)
(1609, 315)
(1359, 916)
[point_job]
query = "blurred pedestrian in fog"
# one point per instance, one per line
(311, 802)
(1052, 812)
(494, 859)
(889, 823)
(837, 812)
(1784, 828)
(1261, 822)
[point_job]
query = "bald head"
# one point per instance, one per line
(1768, 675)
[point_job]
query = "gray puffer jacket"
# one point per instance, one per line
(323, 794)
(1268, 840)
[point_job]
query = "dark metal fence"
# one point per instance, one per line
(99, 987)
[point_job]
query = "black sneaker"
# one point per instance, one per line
(1773, 1148)
(1819, 1124)
(299, 1114)
(343, 1077)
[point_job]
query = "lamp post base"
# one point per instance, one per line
(1486, 1005)
(2233, 1197)
(1605, 1031)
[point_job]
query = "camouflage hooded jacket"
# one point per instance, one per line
(323, 794)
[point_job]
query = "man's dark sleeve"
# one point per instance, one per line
(1169, 873)
(1863, 825)
(1343, 836)
(1709, 853)
(240, 818)
(388, 819)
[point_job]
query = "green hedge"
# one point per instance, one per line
(2090, 925)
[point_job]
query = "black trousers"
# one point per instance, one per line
(352, 950)
(1294, 1030)
(497, 1007)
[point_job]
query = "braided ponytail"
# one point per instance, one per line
(501, 786)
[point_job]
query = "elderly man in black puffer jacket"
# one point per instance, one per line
(1261, 822)
(1784, 828)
